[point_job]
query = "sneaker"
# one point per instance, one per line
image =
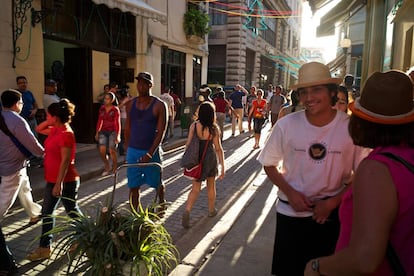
(34, 220)
(105, 173)
(40, 253)
(212, 213)
(186, 220)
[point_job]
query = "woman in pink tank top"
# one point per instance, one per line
(379, 207)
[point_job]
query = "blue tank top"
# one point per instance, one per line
(143, 125)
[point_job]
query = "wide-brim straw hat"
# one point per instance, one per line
(314, 73)
(387, 98)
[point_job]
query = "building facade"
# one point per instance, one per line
(380, 32)
(254, 42)
(84, 44)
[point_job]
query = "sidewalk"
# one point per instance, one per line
(241, 242)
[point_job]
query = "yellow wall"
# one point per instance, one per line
(29, 60)
(100, 72)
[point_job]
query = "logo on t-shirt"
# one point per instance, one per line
(317, 151)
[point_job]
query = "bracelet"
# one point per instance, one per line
(315, 265)
(149, 155)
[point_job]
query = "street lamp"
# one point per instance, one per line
(345, 44)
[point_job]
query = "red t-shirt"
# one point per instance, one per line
(259, 108)
(59, 137)
(109, 121)
(220, 105)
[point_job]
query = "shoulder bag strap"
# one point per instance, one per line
(392, 256)
(205, 150)
(399, 159)
(15, 141)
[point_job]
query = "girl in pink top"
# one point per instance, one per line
(379, 208)
(108, 131)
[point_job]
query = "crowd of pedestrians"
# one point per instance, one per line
(333, 154)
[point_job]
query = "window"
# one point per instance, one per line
(89, 24)
(269, 33)
(218, 16)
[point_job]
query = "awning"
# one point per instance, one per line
(340, 12)
(317, 4)
(135, 7)
(337, 63)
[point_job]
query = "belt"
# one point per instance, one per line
(287, 202)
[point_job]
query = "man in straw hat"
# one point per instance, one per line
(310, 157)
(379, 209)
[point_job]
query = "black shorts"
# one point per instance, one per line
(298, 240)
(258, 125)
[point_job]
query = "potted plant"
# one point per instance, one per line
(196, 23)
(116, 239)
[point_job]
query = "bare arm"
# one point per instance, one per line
(219, 153)
(63, 169)
(160, 111)
(34, 110)
(44, 127)
(371, 223)
(127, 130)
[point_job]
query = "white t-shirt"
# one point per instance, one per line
(48, 99)
(315, 161)
(165, 97)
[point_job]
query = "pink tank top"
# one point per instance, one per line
(402, 232)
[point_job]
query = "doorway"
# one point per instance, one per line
(78, 89)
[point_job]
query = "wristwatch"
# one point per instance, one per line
(315, 265)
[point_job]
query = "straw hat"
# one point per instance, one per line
(314, 73)
(387, 98)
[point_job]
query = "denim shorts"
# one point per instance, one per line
(138, 176)
(107, 139)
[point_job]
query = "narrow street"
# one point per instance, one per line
(242, 169)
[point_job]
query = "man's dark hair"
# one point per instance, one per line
(10, 97)
(371, 135)
(20, 78)
(349, 80)
(113, 85)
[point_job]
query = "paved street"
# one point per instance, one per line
(242, 169)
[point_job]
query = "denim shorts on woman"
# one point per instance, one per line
(107, 139)
(137, 176)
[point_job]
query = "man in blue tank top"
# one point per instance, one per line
(144, 130)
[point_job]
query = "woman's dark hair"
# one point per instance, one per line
(206, 113)
(220, 95)
(333, 88)
(371, 135)
(114, 99)
(64, 110)
(10, 97)
(294, 97)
